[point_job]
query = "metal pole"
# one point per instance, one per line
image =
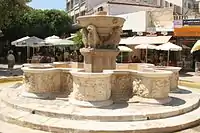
(146, 54)
(168, 58)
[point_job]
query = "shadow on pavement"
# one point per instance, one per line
(14, 72)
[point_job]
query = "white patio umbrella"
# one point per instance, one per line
(63, 42)
(34, 42)
(169, 47)
(18, 41)
(52, 39)
(29, 42)
(124, 49)
(146, 46)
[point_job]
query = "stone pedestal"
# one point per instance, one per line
(91, 89)
(97, 60)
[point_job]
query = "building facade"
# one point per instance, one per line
(77, 8)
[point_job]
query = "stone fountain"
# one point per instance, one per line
(101, 36)
(100, 97)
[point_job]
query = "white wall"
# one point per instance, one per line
(116, 9)
(137, 22)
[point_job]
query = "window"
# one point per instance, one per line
(76, 2)
(161, 3)
(166, 4)
(68, 6)
(72, 4)
(189, 6)
(100, 9)
(82, 13)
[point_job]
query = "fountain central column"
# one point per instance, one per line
(97, 60)
(101, 36)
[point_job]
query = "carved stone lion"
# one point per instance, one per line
(93, 37)
(114, 37)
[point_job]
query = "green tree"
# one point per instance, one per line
(9, 9)
(40, 23)
(78, 40)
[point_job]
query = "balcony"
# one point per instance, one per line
(180, 17)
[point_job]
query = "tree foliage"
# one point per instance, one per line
(9, 9)
(40, 23)
(78, 40)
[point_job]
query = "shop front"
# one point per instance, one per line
(187, 35)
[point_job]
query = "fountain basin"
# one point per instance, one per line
(152, 85)
(61, 64)
(121, 85)
(41, 81)
(133, 66)
(103, 23)
(44, 83)
(174, 77)
(91, 89)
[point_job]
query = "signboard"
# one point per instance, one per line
(189, 31)
(178, 23)
(190, 22)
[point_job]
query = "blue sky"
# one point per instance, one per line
(48, 4)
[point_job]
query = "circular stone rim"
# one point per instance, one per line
(166, 113)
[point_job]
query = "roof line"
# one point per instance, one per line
(110, 2)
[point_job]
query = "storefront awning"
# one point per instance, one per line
(127, 40)
(187, 31)
(145, 40)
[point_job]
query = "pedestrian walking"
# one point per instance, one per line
(11, 60)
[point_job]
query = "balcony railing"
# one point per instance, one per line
(180, 17)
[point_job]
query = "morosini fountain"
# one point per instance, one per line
(101, 97)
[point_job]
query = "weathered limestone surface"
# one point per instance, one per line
(91, 86)
(155, 85)
(121, 85)
(66, 81)
(101, 36)
(97, 60)
(174, 77)
(61, 64)
(41, 80)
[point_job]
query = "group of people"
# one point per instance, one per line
(46, 56)
(158, 60)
